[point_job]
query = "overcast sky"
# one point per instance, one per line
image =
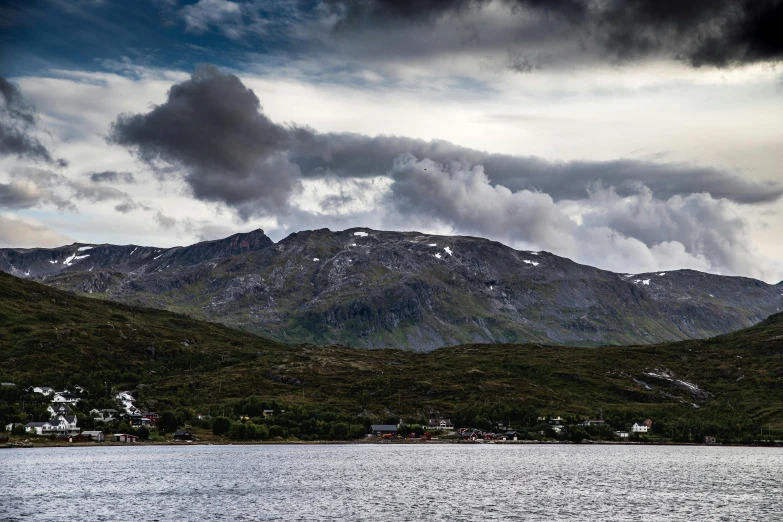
(634, 135)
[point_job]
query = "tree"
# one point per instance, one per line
(237, 431)
(481, 423)
(143, 433)
(221, 425)
(167, 421)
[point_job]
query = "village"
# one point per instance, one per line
(555, 427)
(107, 423)
(126, 423)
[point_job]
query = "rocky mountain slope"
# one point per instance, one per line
(403, 289)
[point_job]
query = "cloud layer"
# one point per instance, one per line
(720, 33)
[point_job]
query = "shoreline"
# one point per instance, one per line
(52, 444)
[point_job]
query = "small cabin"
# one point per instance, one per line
(183, 435)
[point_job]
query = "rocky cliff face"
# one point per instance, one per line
(372, 288)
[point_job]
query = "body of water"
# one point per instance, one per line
(391, 482)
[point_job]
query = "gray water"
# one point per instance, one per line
(391, 482)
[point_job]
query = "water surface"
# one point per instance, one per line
(392, 482)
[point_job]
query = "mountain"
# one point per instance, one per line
(370, 288)
(729, 385)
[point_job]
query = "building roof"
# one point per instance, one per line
(35, 424)
(180, 433)
(384, 427)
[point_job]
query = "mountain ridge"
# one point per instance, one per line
(373, 289)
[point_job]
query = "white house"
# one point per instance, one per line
(36, 427)
(622, 434)
(440, 425)
(59, 409)
(65, 397)
(62, 424)
(639, 427)
(43, 390)
(10, 427)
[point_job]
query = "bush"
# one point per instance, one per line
(143, 433)
(248, 431)
(237, 431)
(221, 425)
(257, 431)
(339, 431)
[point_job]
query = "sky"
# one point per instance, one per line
(634, 135)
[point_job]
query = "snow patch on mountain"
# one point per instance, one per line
(70, 259)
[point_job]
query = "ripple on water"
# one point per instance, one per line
(401, 482)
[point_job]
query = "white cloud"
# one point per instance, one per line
(204, 14)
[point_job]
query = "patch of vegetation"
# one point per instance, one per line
(728, 386)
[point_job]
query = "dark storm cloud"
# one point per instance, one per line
(211, 128)
(112, 176)
(356, 155)
(699, 32)
(388, 11)
(211, 131)
(17, 120)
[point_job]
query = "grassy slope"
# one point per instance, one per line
(48, 337)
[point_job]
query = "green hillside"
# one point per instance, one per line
(729, 385)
